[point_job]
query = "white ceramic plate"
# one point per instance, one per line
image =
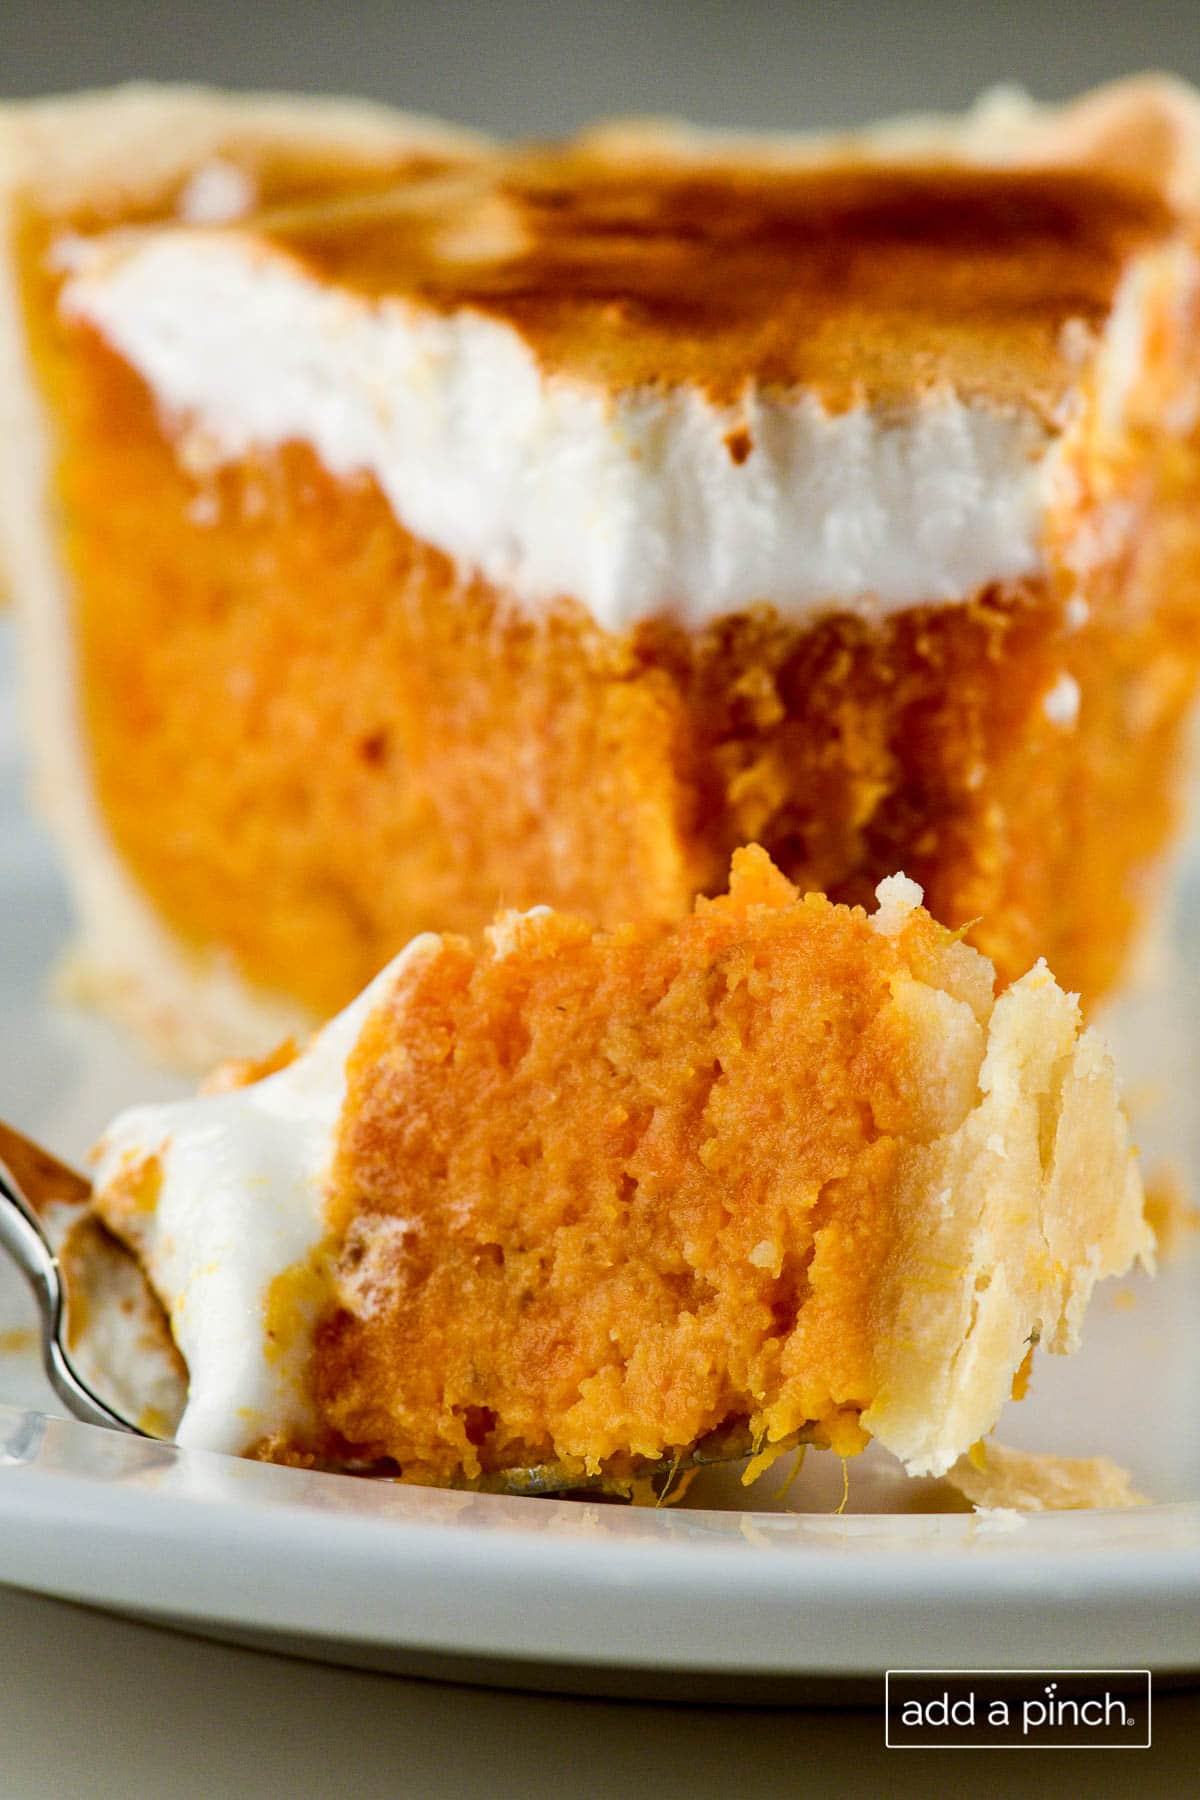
(711, 1598)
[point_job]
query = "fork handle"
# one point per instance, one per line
(23, 1235)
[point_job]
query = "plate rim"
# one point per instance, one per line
(192, 1537)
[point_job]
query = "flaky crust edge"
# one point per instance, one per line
(1145, 128)
(129, 144)
(1003, 1228)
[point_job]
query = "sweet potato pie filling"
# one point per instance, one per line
(784, 1169)
(312, 737)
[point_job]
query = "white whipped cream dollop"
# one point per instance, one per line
(631, 503)
(241, 1201)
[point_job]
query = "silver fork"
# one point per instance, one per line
(32, 1180)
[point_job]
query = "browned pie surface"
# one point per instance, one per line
(855, 281)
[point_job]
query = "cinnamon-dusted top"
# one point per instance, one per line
(676, 375)
(860, 282)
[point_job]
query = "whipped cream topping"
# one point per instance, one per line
(632, 503)
(241, 1200)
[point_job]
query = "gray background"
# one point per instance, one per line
(541, 66)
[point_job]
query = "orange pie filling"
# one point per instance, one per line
(311, 736)
(309, 731)
(586, 1198)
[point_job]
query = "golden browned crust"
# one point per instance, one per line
(995, 1476)
(1003, 1228)
(121, 153)
(1144, 128)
